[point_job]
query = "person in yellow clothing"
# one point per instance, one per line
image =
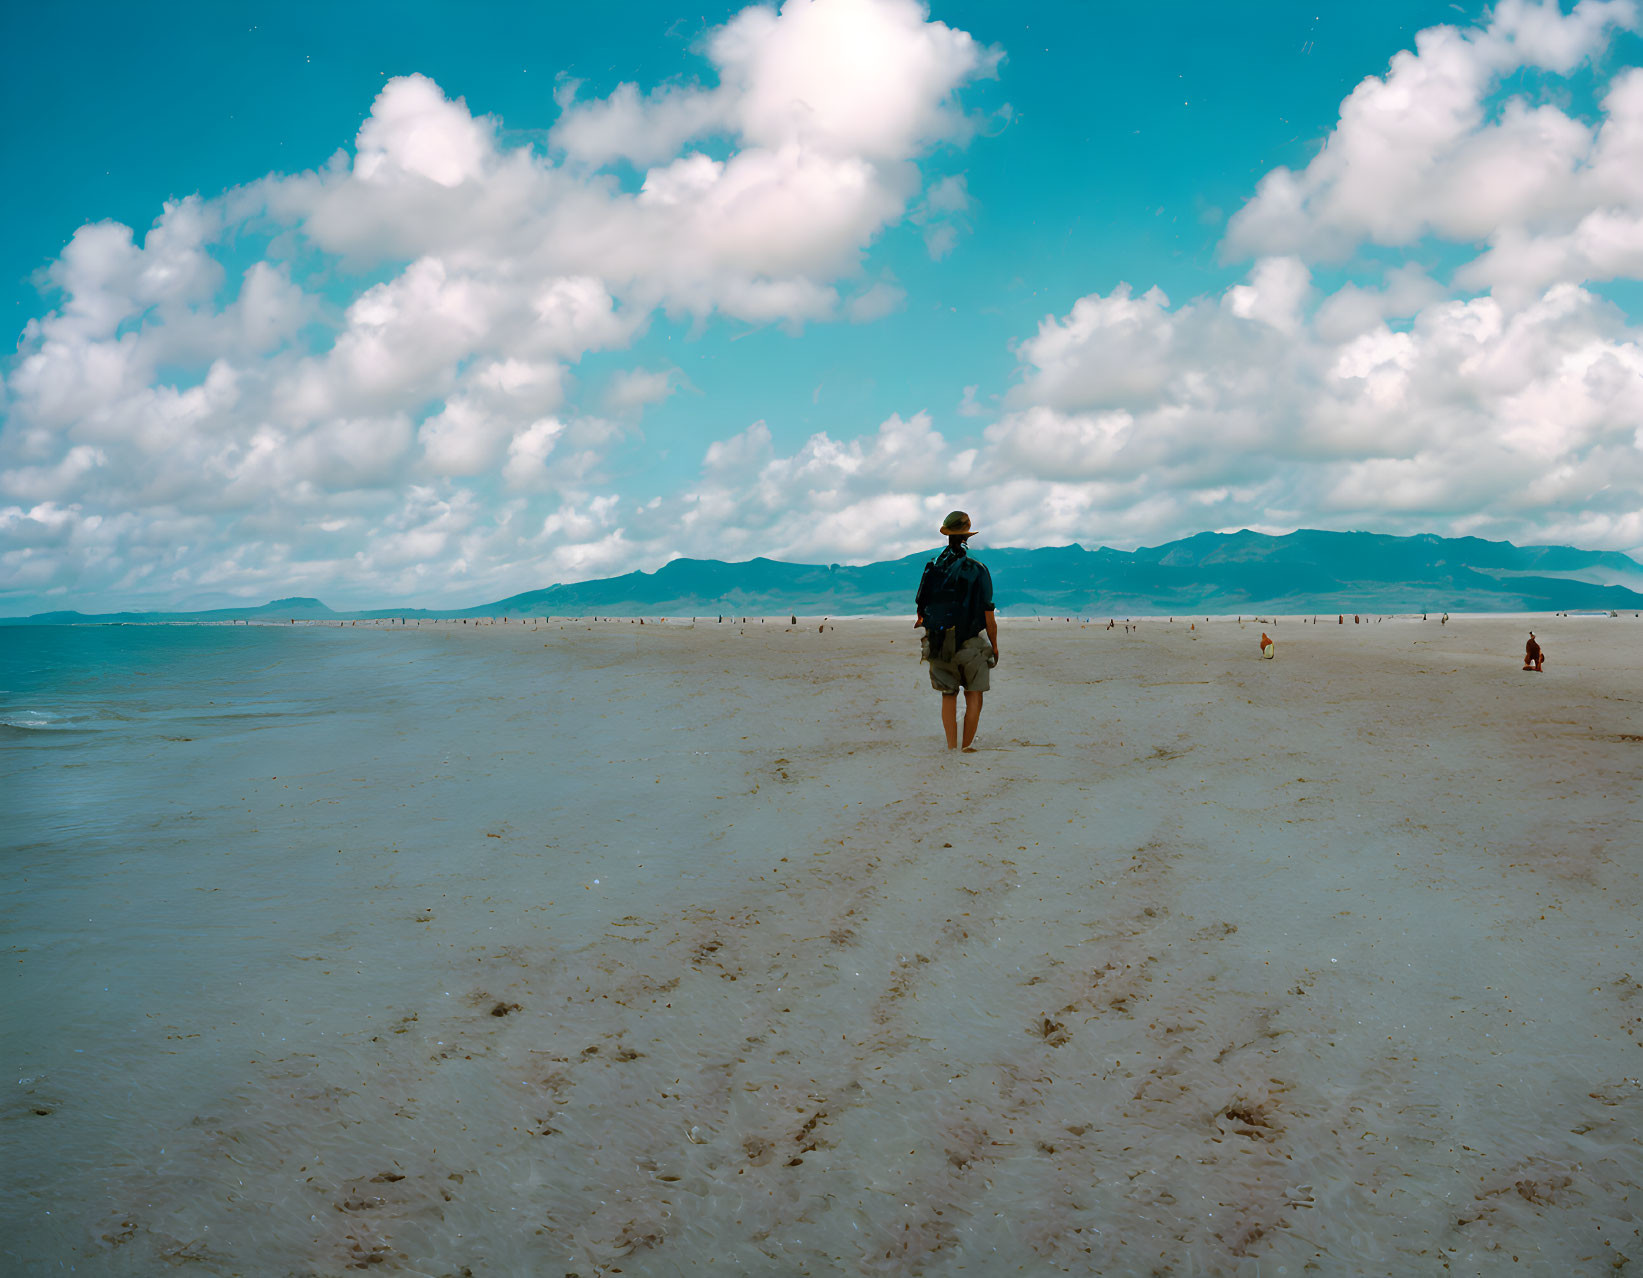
(955, 608)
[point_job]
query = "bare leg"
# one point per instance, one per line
(949, 718)
(972, 715)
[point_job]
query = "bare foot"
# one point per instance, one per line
(969, 750)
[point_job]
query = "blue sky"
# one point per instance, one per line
(421, 303)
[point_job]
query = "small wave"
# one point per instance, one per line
(30, 719)
(28, 722)
(12, 733)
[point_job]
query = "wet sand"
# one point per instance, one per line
(1203, 964)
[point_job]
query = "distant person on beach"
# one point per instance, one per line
(955, 605)
(1534, 656)
(1268, 648)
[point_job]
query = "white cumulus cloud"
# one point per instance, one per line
(385, 437)
(1421, 150)
(391, 403)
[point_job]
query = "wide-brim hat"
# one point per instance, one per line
(957, 524)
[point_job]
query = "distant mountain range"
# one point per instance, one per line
(1305, 571)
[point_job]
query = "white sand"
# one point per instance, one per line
(1204, 964)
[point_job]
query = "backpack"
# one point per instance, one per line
(943, 606)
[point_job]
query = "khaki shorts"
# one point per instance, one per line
(968, 668)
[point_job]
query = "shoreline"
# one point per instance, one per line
(670, 619)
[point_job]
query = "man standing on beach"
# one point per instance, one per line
(955, 605)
